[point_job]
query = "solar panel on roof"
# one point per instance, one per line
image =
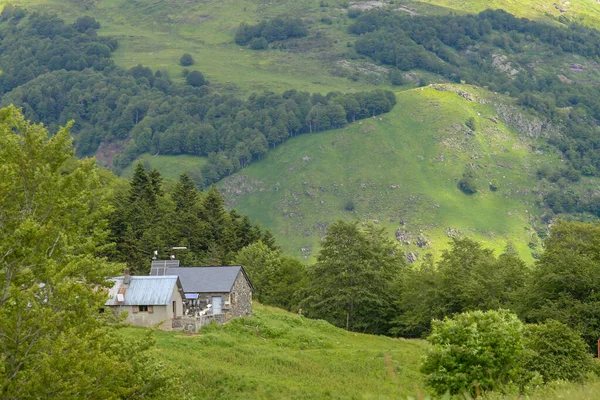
(159, 267)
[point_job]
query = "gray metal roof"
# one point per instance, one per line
(207, 279)
(144, 290)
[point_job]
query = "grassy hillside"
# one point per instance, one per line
(278, 355)
(156, 33)
(582, 11)
(170, 167)
(400, 171)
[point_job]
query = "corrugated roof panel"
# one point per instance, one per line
(206, 279)
(144, 290)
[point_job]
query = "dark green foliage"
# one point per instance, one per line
(276, 29)
(475, 352)
(470, 123)
(141, 111)
(147, 218)
(259, 44)
(556, 352)
(186, 60)
(277, 279)
(349, 206)
(467, 277)
(396, 78)
(352, 278)
(195, 79)
(459, 48)
(354, 13)
(468, 183)
(565, 285)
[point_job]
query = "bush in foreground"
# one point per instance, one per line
(481, 351)
(556, 352)
(475, 351)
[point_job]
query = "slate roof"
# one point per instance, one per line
(208, 279)
(144, 290)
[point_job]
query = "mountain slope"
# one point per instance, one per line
(400, 170)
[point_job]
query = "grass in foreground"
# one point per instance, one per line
(278, 355)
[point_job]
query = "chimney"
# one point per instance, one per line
(126, 277)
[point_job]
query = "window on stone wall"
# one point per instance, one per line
(143, 308)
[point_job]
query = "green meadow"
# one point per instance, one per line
(400, 171)
(170, 167)
(156, 33)
(279, 355)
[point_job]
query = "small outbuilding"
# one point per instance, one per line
(224, 290)
(148, 300)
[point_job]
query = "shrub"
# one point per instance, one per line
(556, 352)
(396, 77)
(259, 44)
(475, 350)
(468, 183)
(186, 60)
(470, 123)
(354, 13)
(195, 78)
(349, 206)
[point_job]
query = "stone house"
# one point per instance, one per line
(224, 290)
(148, 300)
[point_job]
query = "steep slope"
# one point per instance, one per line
(401, 171)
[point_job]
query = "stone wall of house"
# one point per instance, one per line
(241, 297)
(194, 324)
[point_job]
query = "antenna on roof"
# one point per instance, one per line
(177, 248)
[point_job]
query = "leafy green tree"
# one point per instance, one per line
(468, 277)
(186, 60)
(188, 227)
(139, 224)
(475, 351)
(556, 352)
(350, 286)
(259, 43)
(195, 79)
(277, 279)
(565, 283)
(468, 182)
(53, 341)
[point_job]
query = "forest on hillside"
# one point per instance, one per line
(493, 322)
(505, 54)
(59, 72)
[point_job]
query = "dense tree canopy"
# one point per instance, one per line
(58, 72)
(350, 285)
(466, 48)
(54, 343)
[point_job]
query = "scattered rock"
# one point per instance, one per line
(411, 257)
(306, 158)
(452, 233)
